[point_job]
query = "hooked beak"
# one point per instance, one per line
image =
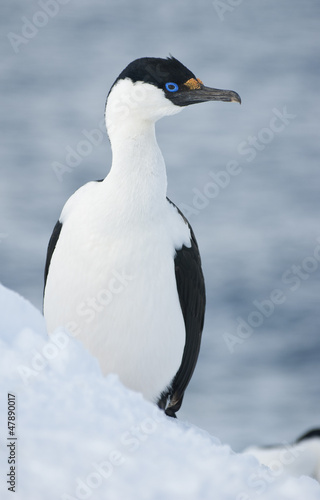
(204, 94)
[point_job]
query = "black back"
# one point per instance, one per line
(314, 433)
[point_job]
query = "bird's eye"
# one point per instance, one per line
(172, 87)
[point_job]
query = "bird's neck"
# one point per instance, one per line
(138, 170)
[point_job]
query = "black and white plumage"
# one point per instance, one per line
(123, 270)
(300, 458)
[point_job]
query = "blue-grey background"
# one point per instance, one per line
(54, 81)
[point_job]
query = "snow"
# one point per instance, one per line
(81, 435)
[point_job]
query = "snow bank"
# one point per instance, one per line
(81, 436)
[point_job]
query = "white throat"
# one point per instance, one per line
(138, 168)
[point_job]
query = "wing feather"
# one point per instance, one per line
(191, 291)
(51, 247)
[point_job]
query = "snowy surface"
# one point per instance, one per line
(80, 435)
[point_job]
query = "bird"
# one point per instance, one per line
(301, 457)
(123, 270)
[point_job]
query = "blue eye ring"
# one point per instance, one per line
(172, 87)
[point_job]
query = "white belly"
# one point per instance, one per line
(115, 283)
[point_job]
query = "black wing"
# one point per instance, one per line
(51, 246)
(192, 296)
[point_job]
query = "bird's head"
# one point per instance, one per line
(150, 88)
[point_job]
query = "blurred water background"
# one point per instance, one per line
(259, 231)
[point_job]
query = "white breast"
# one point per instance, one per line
(112, 279)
